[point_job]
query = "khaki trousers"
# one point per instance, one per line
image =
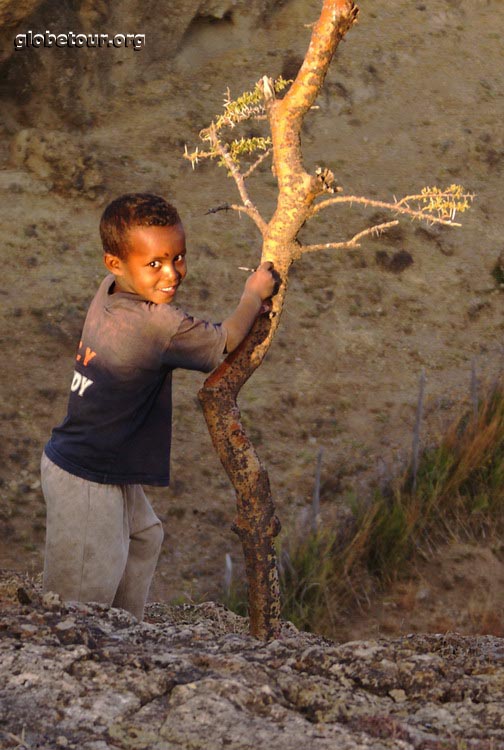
(102, 540)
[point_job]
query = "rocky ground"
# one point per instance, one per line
(92, 678)
(414, 98)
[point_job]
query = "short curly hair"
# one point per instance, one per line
(133, 210)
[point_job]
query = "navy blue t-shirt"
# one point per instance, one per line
(118, 426)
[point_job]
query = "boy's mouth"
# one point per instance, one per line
(168, 289)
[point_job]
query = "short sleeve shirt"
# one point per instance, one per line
(118, 425)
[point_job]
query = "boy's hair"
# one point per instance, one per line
(133, 210)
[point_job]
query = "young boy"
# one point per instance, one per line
(103, 537)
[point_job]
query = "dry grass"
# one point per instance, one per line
(484, 619)
(459, 492)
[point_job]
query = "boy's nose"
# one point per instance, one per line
(169, 273)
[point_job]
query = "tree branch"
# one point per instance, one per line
(335, 20)
(396, 207)
(375, 230)
(257, 163)
(248, 206)
(231, 207)
(216, 209)
(286, 115)
(297, 192)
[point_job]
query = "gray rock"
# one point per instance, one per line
(12, 13)
(58, 160)
(20, 181)
(190, 677)
(76, 84)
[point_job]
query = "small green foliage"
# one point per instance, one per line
(306, 572)
(247, 146)
(236, 599)
(459, 492)
(459, 488)
(498, 272)
(446, 203)
(248, 106)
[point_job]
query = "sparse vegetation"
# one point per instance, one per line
(301, 196)
(498, 271)
(459, 494)
(307, 570)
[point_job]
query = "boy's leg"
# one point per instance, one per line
(146, 537)
(86, 536)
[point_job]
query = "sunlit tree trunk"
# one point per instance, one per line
(256, 523)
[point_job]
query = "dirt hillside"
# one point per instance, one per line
(413, 98)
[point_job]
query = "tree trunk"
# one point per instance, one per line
(256, 523)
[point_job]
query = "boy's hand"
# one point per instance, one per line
(256, 299)
(264, 282)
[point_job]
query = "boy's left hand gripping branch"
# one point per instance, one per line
(265, 282)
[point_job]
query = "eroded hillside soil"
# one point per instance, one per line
(414, 98)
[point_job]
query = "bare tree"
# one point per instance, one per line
(301, 196)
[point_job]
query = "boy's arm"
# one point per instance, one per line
(259, 287)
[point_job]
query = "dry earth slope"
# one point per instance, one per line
(414, 98)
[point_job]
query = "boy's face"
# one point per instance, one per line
(155, 265)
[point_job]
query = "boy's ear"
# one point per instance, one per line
(113, 264)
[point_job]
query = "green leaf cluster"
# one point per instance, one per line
(459, 494)
(248, 106)
(446, 203)
(246, 146)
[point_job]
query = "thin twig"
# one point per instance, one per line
(250, 212)
(474, 388)
(396, 207)
(416, 430)
(431, 193)
(228, 575)
(248, 206)
(231, 207)
(257, 163)
(375, 230)
(316, 493)
(19, 740)
(222, 207)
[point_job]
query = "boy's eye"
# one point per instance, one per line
(179, 258)
(154, 264)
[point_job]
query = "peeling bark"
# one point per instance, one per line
(256, 523)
